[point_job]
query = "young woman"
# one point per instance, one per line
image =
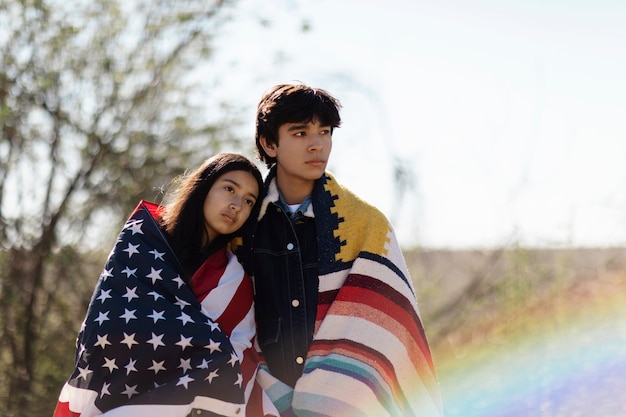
(170, 325)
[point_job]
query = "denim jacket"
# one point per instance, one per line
(285, 259)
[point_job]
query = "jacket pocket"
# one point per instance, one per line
(269, 331)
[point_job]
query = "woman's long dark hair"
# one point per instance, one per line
(183, 217)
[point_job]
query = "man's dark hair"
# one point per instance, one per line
(292, 103)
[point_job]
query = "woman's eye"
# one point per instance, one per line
(250, 203)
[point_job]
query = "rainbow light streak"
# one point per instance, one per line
(566, 361)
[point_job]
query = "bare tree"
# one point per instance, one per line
(94, 112)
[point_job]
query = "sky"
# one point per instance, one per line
(510, 115)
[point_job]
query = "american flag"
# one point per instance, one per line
(145, 346)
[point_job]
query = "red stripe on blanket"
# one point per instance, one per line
(208, 276)
(154, 209)
(235, 312)
(324, 300)
(250, 362)
(63, 410)
(255, 406)
(422, 363)
(364, 290)
(372, 300)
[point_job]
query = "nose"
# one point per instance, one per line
(235, 204)
(317, 143)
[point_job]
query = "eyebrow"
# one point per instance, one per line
(239, 186)
(301, 126)
(298, 126)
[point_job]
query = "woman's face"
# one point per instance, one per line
(229, 202)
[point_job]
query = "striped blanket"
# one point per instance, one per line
(369, 355)
(152, 345)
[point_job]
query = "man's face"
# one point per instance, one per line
(303, 150)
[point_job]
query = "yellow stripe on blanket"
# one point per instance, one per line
(366, 229)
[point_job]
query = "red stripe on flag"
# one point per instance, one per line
(63, 410)
(208, 276)
(235, 312)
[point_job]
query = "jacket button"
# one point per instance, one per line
(299, 360)
(295, 303)
(289, 246)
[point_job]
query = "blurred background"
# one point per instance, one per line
(492, 135)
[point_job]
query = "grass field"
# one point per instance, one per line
(524, 332)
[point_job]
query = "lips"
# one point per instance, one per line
(316, 162)
(229, 217)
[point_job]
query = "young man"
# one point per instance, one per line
(338, 322)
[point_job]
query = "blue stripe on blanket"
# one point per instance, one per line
(358, 370)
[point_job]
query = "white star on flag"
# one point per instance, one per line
(128, 315)
(131, 249)
(181, 303)
(213, 346)
(185, 318)
(130, 391)
(155, 275)
(212, 375)
(129, 340)
(156, 315)
(185, 364)
(130, 293)
(184, 342)
(157, 366)
(204, 364)
(129, 272)
(106, 274)
(84, 372)
(157, 254)
(156, 341)
(102, 317)
(81, 350)
(105, 390)
(184, 380)
(135, 226)
(179, 281)
(155, 294)
(130, 367)
(102, 341)
(234, 360)
(110, 363)
(104, 294)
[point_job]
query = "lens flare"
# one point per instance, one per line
(564, 356)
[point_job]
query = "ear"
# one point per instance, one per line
(269, 148)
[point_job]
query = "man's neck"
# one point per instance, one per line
(294, 192)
